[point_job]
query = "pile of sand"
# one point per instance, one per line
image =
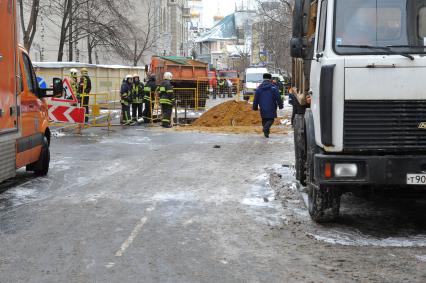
(230, 113)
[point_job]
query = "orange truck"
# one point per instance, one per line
(24, 127)
(187, 73)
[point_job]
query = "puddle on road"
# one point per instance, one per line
(362, 222)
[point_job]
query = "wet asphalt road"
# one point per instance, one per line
(146, 205)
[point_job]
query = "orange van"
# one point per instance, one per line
(24, 130)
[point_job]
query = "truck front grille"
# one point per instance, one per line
(385, 125)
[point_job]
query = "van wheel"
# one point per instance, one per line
(41, 166)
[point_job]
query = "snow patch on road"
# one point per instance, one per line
(63, 164)
(348, 238)
(134, 140)
(261, 203)
(25, 193)
(58, 134)
(178, 196)
(421, 257)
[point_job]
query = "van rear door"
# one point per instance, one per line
(8, 68)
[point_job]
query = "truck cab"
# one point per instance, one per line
(358, 69)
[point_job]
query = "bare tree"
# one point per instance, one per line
(29, 30)
(136, 41)
(240, 59)
(274, 29)
(96, 21)
(102, 24)
(66, 10)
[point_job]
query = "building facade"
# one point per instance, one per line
(170, 24)
(228, 42)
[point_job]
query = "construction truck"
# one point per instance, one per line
(24, 130)
(189, 75)
(359, 70)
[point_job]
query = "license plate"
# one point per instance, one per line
(416, 179)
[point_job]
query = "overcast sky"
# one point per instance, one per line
(226, 7)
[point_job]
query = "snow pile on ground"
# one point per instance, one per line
(230, 113)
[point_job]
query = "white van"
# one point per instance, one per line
(253, 78)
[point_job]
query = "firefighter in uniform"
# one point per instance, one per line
(137, 98)
(221, 85)
(126, 98)
(84, 89)
(73, 82)
(149, 99)
(167, 100)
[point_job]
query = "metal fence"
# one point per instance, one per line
(219, 88)
(104, 102)
(188, 98)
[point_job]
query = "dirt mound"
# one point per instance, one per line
(230, 113)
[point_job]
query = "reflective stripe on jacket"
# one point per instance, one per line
(85, 85)
(149, 90)
(166, 93)
(126, 94)
(137, 93)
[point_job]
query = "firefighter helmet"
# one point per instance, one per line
(168, 76)
(84, 71)
(135, 75)
(73, 73)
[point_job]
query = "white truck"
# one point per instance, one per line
(359, 75)
(253, 78)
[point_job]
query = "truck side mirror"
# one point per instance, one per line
(57, 87)
(41, 92)
(297, 48)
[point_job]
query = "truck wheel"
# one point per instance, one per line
(41, 167)
(323, 201)
(299, 149)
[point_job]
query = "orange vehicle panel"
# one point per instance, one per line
(8, 63)
(23, 115)
(34, 115)
(27, 157)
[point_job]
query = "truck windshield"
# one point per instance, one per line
(399, 25)
(254, 77)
